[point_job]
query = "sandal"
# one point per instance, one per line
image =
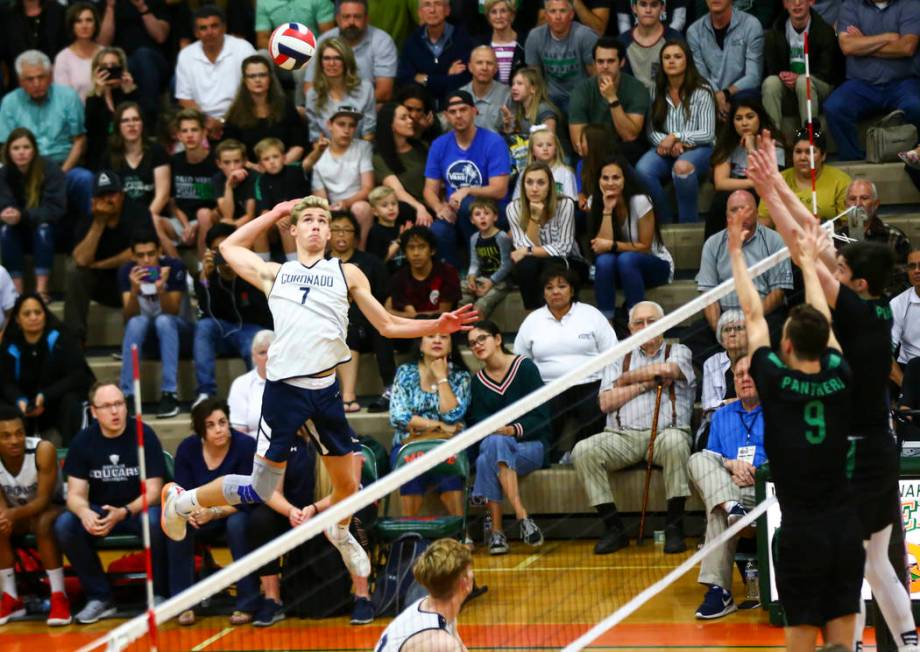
(351, 406)
(240, 618)
(911, 158)
(187, 618)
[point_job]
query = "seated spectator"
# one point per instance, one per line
(362, 337)
(30, 501)
(54, 114)
(727, 46)
(192, 192)
(158, 317)
(338, 85)
(399, 162)
(245, 398)
(232, 312)
(213, 450)
(44, 371)
(543, 233)
(561, 50)
(489, 94)
(31, 25)
(627, 395)
(435, 55)
(8, 296)
(611, 98)
(863, 194)
(718, 375)
(113, 85)
(487, 281)
(208, 70)
(463, 164)
(33, 203)
(597, 149)
(424, 285)
(421, 107)
(830, 182)
(723, 474)
(141, 162)
(644, 41)
(784, 61)
(318, 15)
(559, 337)
(383, 238)
(625, 240)
(503, 39)
(544, 147)
(73, 65)
(103, 245)
(234, 187)
(103, 497)
(879, 42)
(429, 400)
(343, 173)
(276, 183)
(905, 333)
(261, 110)
(738, 135)
(764, 12)
(681, 130)
(515, 449)
(674, 15)
(528, 106)
(374, 49)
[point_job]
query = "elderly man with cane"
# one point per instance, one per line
(628, 396)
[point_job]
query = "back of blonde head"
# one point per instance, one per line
(441, 566)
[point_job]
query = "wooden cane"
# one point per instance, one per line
(650, 455)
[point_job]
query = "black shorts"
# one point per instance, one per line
(874, 484)
(819, 568)
(360, 337)
(286, 410)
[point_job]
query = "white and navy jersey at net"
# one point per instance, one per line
(310, 308)
(21, 488)
(410, 622)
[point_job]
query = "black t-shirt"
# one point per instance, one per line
(115, 240)
(139, 182)
(290, 130)
(864, 331)
(192, 183)
(242, 193)
(272, 189)
(130, 32)
(378, 244)
(110, 463)
(720, 36)
(236, 301)
(490, 256)
(806, 427)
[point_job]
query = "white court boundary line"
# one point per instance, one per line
(126, 633)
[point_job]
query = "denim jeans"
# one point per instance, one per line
(151, 71)
(182, 557)
(13, 242)
(446, 233)
(522, 457)
(215, 337)
(855, 99)
(631, 270)
(653, 168)
(164, 333)
(79, 193)
(79, 546)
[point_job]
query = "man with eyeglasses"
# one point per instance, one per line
(103, 497)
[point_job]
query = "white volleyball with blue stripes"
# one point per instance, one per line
(292, 45)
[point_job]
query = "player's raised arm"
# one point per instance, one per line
(758, 334)
(809, 243)
(236, 248)
(390, 325)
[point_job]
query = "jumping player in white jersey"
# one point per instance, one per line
(308, 298)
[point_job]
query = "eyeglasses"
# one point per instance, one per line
(332, 58)
(114, 405)
(256, 75)
(476, 341)
(913, 265)
(733, 329)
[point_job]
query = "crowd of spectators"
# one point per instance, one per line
(468, 150)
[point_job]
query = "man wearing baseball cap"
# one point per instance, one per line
(464, 164)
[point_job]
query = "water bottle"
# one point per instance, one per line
(752, 581)
(486, 529)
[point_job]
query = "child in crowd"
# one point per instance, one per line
(490, 260)
(276, 184)
(544, 146)
(383, 239)
(193, 171)
(424, 285)
(234, 188)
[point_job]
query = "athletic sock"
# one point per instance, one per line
(729, 505)
(187, 502)
(56, 578)
(908, 639)
(610, 517)
(9, 581)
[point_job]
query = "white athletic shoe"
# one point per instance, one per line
(172, 522)
(353, 554)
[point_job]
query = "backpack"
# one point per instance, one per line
(314, 581)
(396, 587)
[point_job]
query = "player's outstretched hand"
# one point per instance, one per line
(461, 319)
(809, 243)
(737, 234)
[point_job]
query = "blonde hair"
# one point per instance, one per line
(441, 566)
(524, 112)
(552, 199)
(350, 71)
(310, 201)
(556, 162)
(97, 62)
(491, 3)
(266, 144)
(229, 145)
(378, 194)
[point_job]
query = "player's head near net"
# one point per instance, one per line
(445, 569)
(309, 224)
(865, 268)
(805, 334)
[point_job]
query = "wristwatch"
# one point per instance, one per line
(613, 104)
(530, 250)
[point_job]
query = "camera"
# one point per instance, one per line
(115, 73)
(153, 274)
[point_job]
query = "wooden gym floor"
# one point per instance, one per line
(537, 600)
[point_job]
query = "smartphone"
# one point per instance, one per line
(153, 274)
(115, 72)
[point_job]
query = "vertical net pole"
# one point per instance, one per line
(811, 130)
(145, 520)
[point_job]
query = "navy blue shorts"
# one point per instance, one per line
(319, 413)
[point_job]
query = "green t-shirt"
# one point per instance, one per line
(395, 17)
(588, 106)
(271, 13)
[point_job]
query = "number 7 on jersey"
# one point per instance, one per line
(305, 291)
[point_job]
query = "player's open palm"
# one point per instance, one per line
(736, 232)
(461, 319)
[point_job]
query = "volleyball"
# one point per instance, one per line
(291, 46)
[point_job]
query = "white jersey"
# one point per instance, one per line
(309, 306)
(410, 622)
(21, 488)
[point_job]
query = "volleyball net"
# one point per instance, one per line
(558, 595)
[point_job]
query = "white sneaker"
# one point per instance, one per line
(353, 554)
(201, 398)
(172, 522)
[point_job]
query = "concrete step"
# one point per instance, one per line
(894, 186)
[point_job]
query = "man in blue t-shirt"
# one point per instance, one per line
(103, 497)
(464, 164)
(158, 315)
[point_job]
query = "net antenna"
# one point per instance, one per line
(120, 637)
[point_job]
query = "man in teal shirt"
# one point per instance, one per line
(318, 15)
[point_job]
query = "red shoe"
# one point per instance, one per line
(60, 609)
(11, 607)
